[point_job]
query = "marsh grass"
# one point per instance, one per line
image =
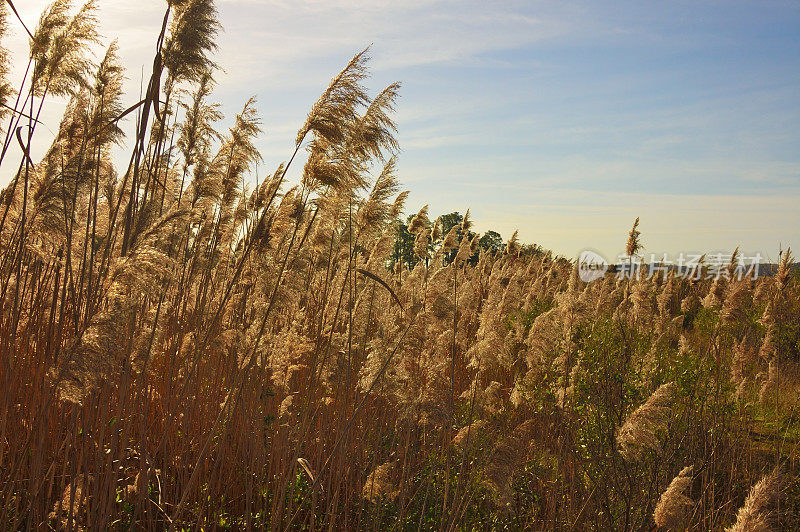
(184, 345)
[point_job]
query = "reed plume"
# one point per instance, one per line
(673, 509)
(640, 431)
(380, 484)
(191, 40)
(6, 89)
(634, 245)
(758, 512)
(60, 47)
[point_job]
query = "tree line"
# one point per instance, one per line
(490, 242)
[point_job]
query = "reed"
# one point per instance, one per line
(185, 345)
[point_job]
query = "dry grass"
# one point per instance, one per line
(183, 345)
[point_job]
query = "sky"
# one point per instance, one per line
(563, 120)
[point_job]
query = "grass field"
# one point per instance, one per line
(185, 347)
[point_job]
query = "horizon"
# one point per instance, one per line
(563, 122)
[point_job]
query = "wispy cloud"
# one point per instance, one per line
(562, 119)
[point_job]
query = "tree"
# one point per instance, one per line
(529, 250)
(448, 221)
(491, 241)
(403, 245)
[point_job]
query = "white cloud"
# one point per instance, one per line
(492, 117)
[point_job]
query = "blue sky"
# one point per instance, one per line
(565, 120)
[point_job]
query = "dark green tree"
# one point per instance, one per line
(448, 221)
(403, 245)
(491, 241)
(529, 250)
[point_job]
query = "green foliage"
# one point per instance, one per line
(491, 241)
(403, 246)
